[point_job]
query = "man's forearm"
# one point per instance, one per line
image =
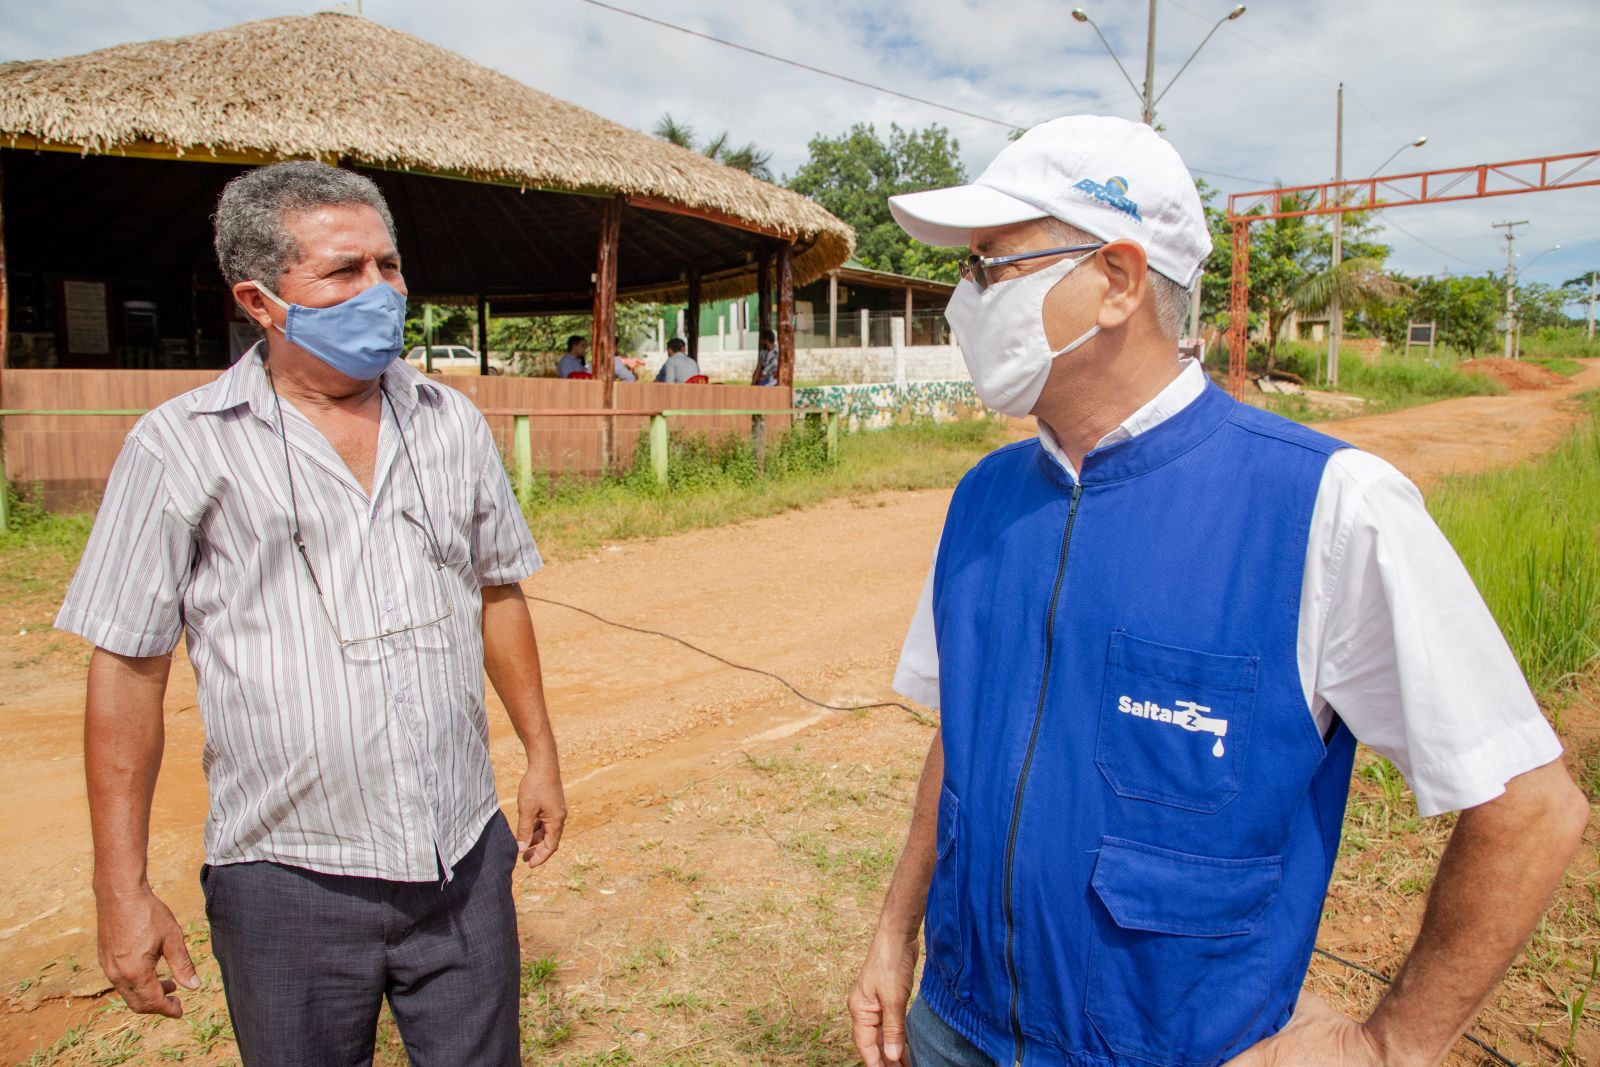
(511, 659)
(123, 736)
(907, 898)
(1504, 860)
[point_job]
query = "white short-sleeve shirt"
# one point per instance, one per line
(1394, 638)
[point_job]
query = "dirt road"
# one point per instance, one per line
(821, 596)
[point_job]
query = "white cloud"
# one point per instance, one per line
(1483, 80)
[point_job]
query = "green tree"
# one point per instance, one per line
(748, 157)
(854, 174)
(1464, 310)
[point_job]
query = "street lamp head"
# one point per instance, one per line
(1236, 12)
(1080, 14)
(1419, 142)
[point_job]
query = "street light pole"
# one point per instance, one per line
(1150, 69)
(1148, 97)
(1511, 282)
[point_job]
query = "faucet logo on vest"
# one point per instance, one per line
(1189, 715)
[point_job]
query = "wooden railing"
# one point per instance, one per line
(522, 423)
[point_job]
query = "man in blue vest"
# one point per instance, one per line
(1155, 634)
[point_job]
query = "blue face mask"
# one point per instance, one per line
(359, 338)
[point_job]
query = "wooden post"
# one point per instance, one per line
(5, 359)
(658, 448)
(909, 320)
(194, 317)
(764, 292)
(833, 309)
(603, 332)
(691, 317)
(786, 316)
(483, 335)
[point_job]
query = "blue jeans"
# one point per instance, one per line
(935, 1043)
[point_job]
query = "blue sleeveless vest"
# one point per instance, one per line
(1138, 819)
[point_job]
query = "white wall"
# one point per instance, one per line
(923, 363)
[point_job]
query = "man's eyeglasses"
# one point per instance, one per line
(429, 550)
(979, 269)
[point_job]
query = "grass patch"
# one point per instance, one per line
(712, 484)
(1386, 384)
(1559, 364)
(1530, 537)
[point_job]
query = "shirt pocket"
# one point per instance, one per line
(1174, 723)
(1178, 955)
(943, 931)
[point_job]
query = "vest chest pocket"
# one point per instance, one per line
(1178, 956)
(1174, 723)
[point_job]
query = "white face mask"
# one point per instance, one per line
(1001, 334)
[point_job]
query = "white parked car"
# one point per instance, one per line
(454, 359)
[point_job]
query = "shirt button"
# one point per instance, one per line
(400, 697)
(388, 605)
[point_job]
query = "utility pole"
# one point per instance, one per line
(1335, 311)
(1511, 283)
(1593, 276)
(1150, 69)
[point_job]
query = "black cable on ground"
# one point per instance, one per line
(913, 712)
(917, 715)
(1498, 1058)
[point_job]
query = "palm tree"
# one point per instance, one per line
(672, 131)
(1361, 284)
(747, 157)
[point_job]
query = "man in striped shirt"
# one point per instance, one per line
(335, 538)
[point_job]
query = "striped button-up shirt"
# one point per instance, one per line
(364, 758)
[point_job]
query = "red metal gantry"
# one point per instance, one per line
(1570, 171)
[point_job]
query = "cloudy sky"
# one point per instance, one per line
(1484, 80)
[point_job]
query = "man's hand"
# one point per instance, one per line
(541, 812)
(1317, 1036)
(878, 1002)
(136, 931)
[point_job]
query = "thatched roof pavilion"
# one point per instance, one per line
(112, 162)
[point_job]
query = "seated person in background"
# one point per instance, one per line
(624, 368)
(680, 366)
(766, 361)
(573, 361)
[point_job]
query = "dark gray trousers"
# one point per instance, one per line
(308, 958)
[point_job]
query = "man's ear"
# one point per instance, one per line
(1127, 274)
(255, 305)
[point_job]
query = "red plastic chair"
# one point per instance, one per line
(580, 376)
(698, 379)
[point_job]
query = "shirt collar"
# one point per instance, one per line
(245, 383)
(1177, 395)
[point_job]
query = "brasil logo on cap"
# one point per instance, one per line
(1113, 192)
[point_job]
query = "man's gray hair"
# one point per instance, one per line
(1170, 300)
(252, 242)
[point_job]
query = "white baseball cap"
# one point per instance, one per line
(1110, 177)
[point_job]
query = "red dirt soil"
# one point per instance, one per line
(1515, 374)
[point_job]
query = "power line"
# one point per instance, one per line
(1436, 248)
(1290, 59)
(805, 66)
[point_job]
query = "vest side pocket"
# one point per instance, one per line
(943, 923)
(1174, 723)
(1178, 954)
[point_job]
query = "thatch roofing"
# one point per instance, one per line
(336, 86)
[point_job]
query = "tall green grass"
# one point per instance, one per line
(1530, 537)
(1388, 383)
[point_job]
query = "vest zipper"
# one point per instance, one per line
(1027, 765)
